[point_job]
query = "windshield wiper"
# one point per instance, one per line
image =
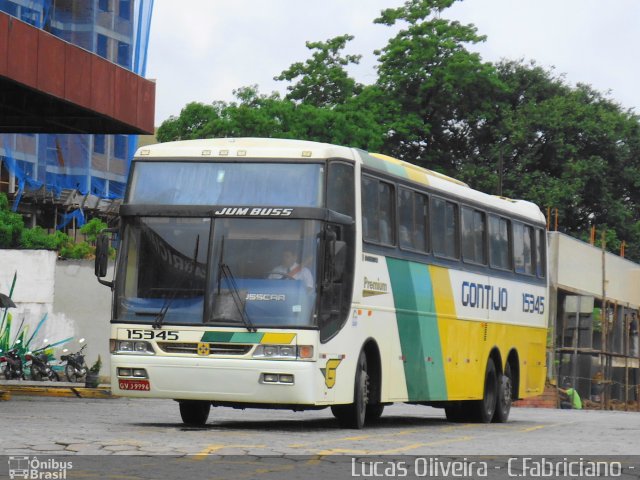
(225, 271)
(159, 319)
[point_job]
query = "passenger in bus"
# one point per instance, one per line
(405, 237)
(291, 269)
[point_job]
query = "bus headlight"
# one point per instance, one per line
(283, 352)
(137, 347)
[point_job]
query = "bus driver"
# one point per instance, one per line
(289, 268)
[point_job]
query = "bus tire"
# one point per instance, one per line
(194, 412)
(374, 412)
(505, 389)
(457, 412)
(484, 410)
(354, 414)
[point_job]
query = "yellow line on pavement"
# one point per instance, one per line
(365, 437)
(450, 440)
(405, 448)
(355, 439)
(540, 427)
(219, 446)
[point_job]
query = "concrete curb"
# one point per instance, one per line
(52, 389)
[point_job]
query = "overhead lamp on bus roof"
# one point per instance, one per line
(241, 153)
(206, 153)
(223, 153)
(306, 153)
(145, 152)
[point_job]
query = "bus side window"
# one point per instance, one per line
(385, 205)
(412, 207)
(444, 228)
(499, 249)
(473, 236)
(377, 211)
(522, 248)
(541, 244)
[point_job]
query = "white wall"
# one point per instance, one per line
(34, 289)
(84, 303)
(66, 291)
(576, 266)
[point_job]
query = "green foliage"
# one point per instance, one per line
(77, 251)
(95, 368)
(322, 81)
(92, 229)
(11, 225)
(510, 127)
(14, 235)
(38, 238)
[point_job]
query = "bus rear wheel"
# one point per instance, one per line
(353, 415)
(484, 410)
(503, 404)
(194, 412)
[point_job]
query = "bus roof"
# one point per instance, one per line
(239, 148)
(444, 183)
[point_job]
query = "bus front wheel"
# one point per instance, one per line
(194, 412)
(353, 415)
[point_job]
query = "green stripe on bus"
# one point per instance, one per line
(232, 337)
(418, 330)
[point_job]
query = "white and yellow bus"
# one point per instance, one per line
(299, 275)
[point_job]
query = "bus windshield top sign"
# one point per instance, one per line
(254, 212)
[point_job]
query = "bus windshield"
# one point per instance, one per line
(191, 183)
(225, 271)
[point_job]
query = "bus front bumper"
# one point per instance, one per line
(219, 380)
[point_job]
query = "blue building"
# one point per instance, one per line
(51, 178)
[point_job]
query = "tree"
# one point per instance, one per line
(564, 147)
(322, 81)
(512, 128)
(439, 91)
(259, 115)
(92, 229)
(190, 124)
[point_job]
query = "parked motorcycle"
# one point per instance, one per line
(13, 367)
(40, 368)
(76, 368)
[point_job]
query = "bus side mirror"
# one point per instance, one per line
(102, 255)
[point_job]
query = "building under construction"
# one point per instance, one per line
(593, 338)
(73, 98)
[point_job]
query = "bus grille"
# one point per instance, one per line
(214, 348)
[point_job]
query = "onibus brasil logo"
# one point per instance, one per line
(33, 468)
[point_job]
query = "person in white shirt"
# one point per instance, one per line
(291, 269)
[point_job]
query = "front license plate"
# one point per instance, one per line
(134, 385)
